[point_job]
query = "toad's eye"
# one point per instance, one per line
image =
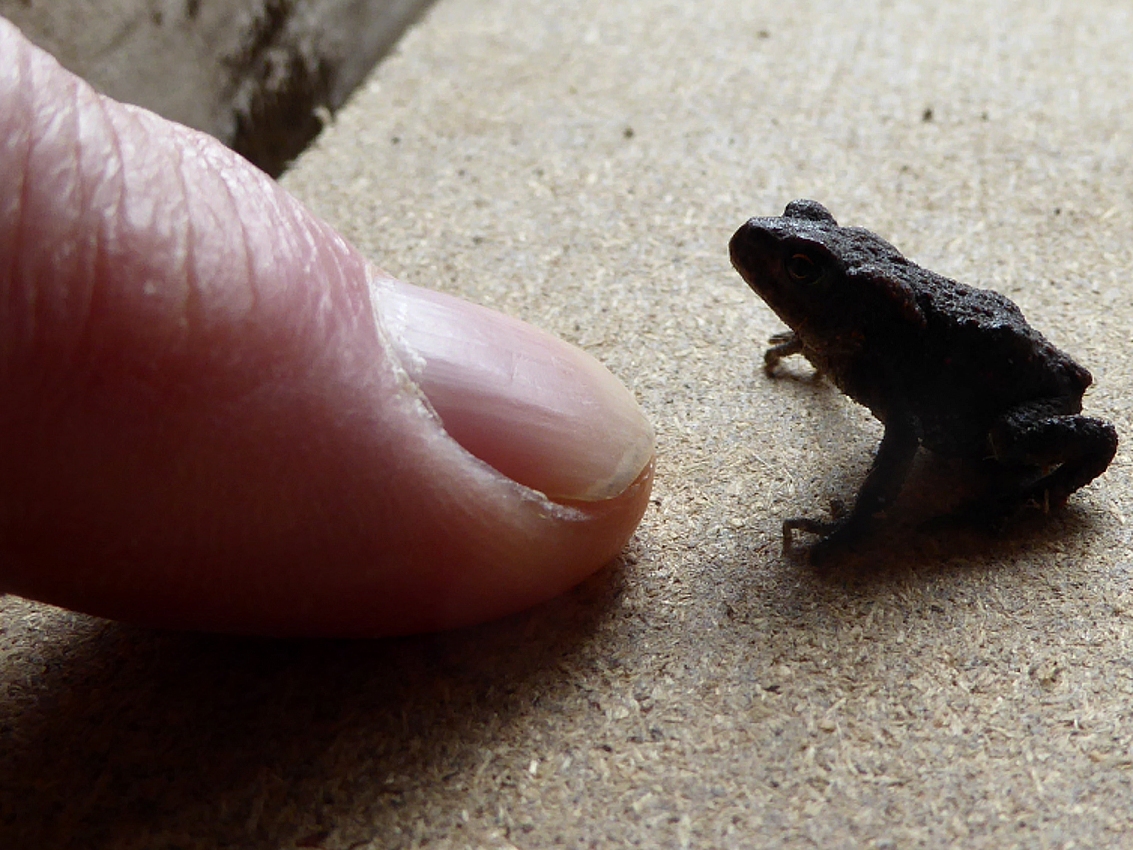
(803, 269)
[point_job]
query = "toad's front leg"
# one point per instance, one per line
(879, 490)
(783, 344)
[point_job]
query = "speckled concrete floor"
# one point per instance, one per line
(582, 165)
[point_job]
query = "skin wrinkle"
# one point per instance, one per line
(244, 242)
(250, 280)
(77, 256)
(188, 255)
(38, 327)
(325, 307)
(88, 338)
(275, 221)
(76, 154)
(199, 314)
(21, 209)
(340, 276)
(180, 234)
(101, 265)
(99, 261)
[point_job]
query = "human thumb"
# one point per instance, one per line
(214, 414)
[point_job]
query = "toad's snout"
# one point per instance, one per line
(750, 249)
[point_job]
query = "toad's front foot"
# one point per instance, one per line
(834, 533)
(782, 345)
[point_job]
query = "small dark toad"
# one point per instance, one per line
(943, 365)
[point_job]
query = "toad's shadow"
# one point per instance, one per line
(924, 535)
(130, 737)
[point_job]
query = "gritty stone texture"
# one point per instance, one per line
(582, 165)
(257, 74)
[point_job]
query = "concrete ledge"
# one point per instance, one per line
(261, 75)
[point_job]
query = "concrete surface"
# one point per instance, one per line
(582, 165)
(260, 75)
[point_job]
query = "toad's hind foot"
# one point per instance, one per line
(1079, 448)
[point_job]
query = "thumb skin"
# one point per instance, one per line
(215, 415)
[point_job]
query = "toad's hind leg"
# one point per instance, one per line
(1071, 450)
